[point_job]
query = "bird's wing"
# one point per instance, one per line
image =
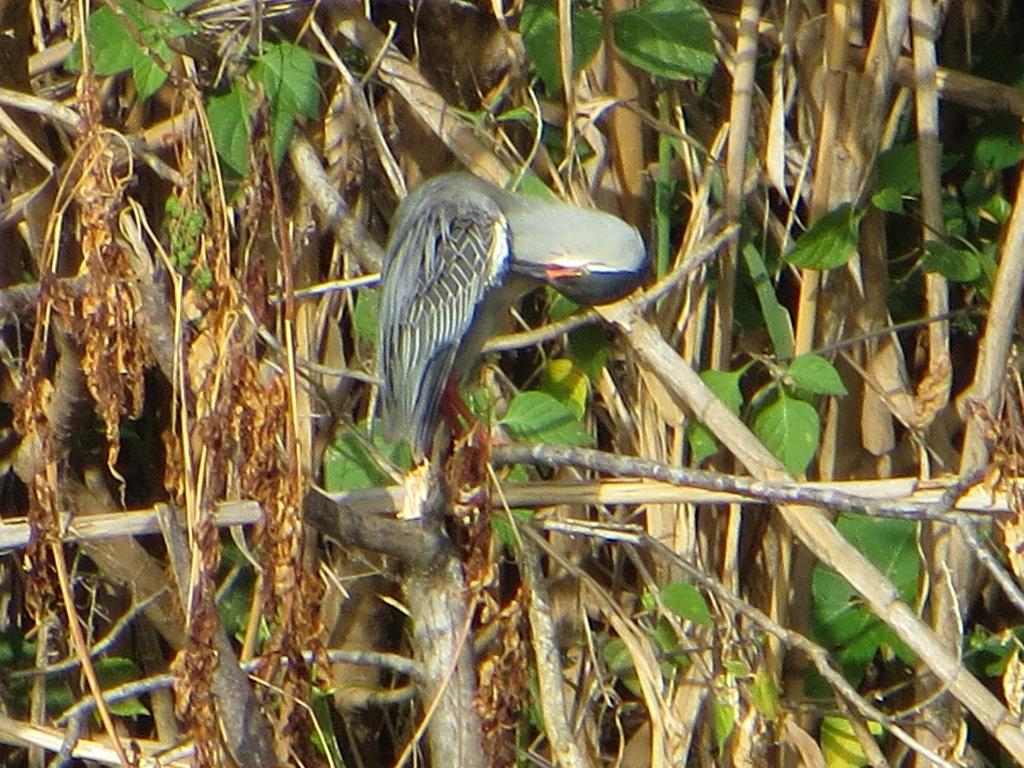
(448, 249)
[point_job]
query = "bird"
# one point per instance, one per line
(460, 253)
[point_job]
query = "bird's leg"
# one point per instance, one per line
(474, 435)
(456, 413)
(453, 408)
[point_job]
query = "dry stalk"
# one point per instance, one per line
(815, 531)
(567, 749)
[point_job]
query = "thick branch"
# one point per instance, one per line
(357, 526)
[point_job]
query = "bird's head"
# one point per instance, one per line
(588, 256)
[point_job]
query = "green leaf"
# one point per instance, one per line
(839, 744)
(672, 657)
(503, 529)
(517, 115)
(840, 620)
(998, 207)
(170, 6)
(830, 242)
(957, 264)
(348, 466)
(702, 443)
(287, 73)
(73, 63)
(888, 543)
(724, 721)
(686, 602)
(737, 668)
(766, 695)
(234, 605)
(954, 216)
(113, 48)
(589, 347)
(113, 671)
(620, 662)
(130, 707)
(539, 29)
(480, 401)
(776, 318)
(998, 145)
(531, 185)
(229, 123)
(538, 417)
(14, 647)
(990, 653)
(789, 428)
(148, 76)
(138, 15)
(367, 313)
(178, 28)
(567, 384)
(617, 657)
(817, 375)
(288, 76)
(726, 386)
(987, 256)
(667, 38)
(560, 307)
(889, 200)
(202, 279)
(325, 736)
(896, 169)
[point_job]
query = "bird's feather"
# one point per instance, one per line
(448, 250)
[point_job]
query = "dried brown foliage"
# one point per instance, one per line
(162, 319)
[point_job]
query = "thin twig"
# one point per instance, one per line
(399, 665)
(774, 492)
(111, 637)
(113, 525)
(994, 567)
(247, 733)
(818, 655)
(360, 518)
(54, 110)
(82, 651)
(20, 734)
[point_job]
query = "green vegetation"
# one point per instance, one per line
(840, 281)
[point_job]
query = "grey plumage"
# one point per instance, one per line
(460, 252)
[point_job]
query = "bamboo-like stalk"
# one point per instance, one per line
(815, 531)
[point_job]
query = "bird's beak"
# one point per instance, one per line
(589, 286)
(583, 280)
(553, 273)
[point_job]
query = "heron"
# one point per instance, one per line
(460, 253)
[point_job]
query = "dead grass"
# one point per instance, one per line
(161, 363)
